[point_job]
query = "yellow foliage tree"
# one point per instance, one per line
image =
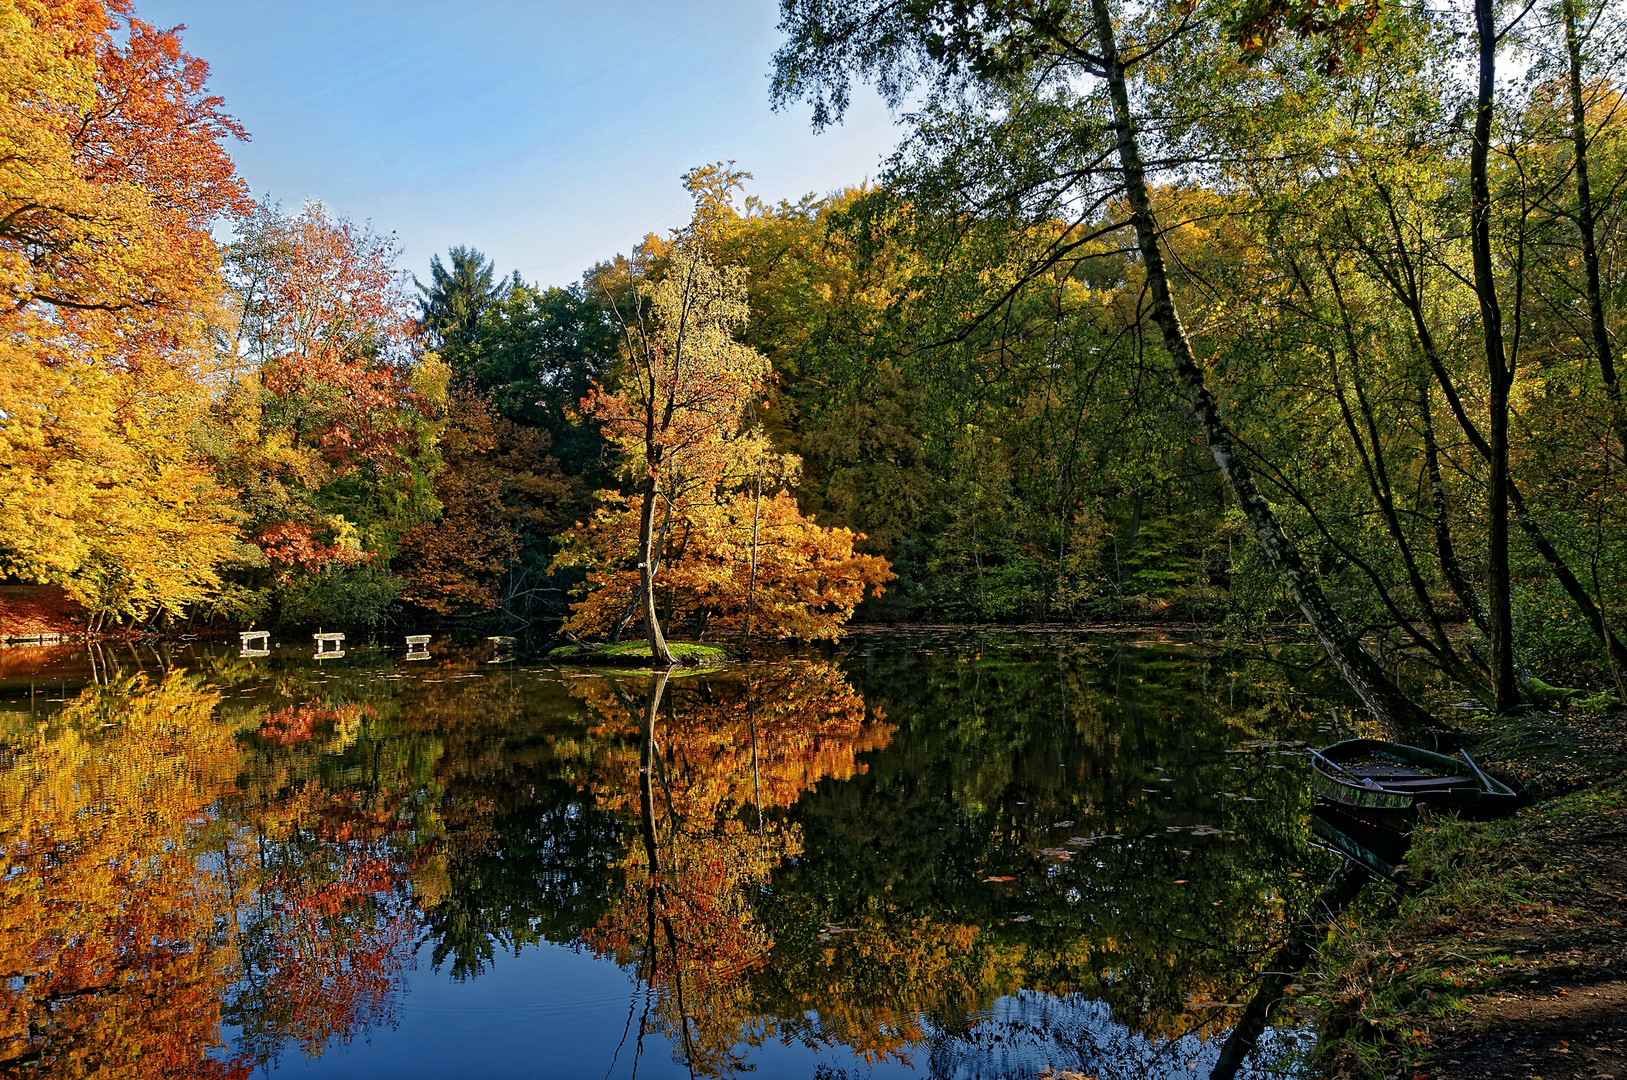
(678, 412)
(737, 566)
(111, 173)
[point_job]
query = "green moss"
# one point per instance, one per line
(638, 653)
(1542, 692)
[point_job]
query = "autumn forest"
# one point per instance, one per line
(1287, 332)
(1340, 351)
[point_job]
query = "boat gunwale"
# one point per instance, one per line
(1337, 790)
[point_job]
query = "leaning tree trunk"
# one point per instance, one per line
(1375, 688)
(1505, 682)
(1586, 219)
(647, 565)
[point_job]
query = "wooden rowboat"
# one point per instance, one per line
(1387, 782)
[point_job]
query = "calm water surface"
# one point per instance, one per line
(924, 855)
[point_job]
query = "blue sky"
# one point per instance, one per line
(549, 135)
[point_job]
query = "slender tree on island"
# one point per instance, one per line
(679, 400)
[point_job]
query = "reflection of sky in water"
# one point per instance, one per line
(553, 1011)
(1029, 1031)
(550, 1011)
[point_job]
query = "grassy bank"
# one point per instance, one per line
(1511, 958)
(637, 654)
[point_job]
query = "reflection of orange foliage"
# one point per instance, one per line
(763, 738)
(108, 918)
(340, 943)
(720, 758)
(327, 931)
(296, 723)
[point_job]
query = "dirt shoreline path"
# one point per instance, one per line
(1511, 961)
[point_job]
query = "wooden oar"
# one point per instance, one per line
(1341, 770)
(1485, 781)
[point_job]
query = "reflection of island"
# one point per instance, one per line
(714, 768)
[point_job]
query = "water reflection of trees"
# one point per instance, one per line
(773, 858)
(709, 770)
(338, 828)
(1147, 857)
(167, 872)
(1150, 851)
(109, 913)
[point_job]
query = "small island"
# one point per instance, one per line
(638, 654)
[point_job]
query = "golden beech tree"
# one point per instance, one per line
(112, 169)
(677, 413)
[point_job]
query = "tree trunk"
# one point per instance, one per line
(1522, 515)
(1377, 691)
(1307, 934)
(1500, 614)
(1445, 550)
(1585, 222)
(647, 567)
(751, 586)
(1376, 469)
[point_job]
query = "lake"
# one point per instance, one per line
(947, 854)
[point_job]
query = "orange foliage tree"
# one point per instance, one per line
(677, 413)
(738, 565)
(328, 422)
(498, 483)
(683, 385)
(112, 169)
